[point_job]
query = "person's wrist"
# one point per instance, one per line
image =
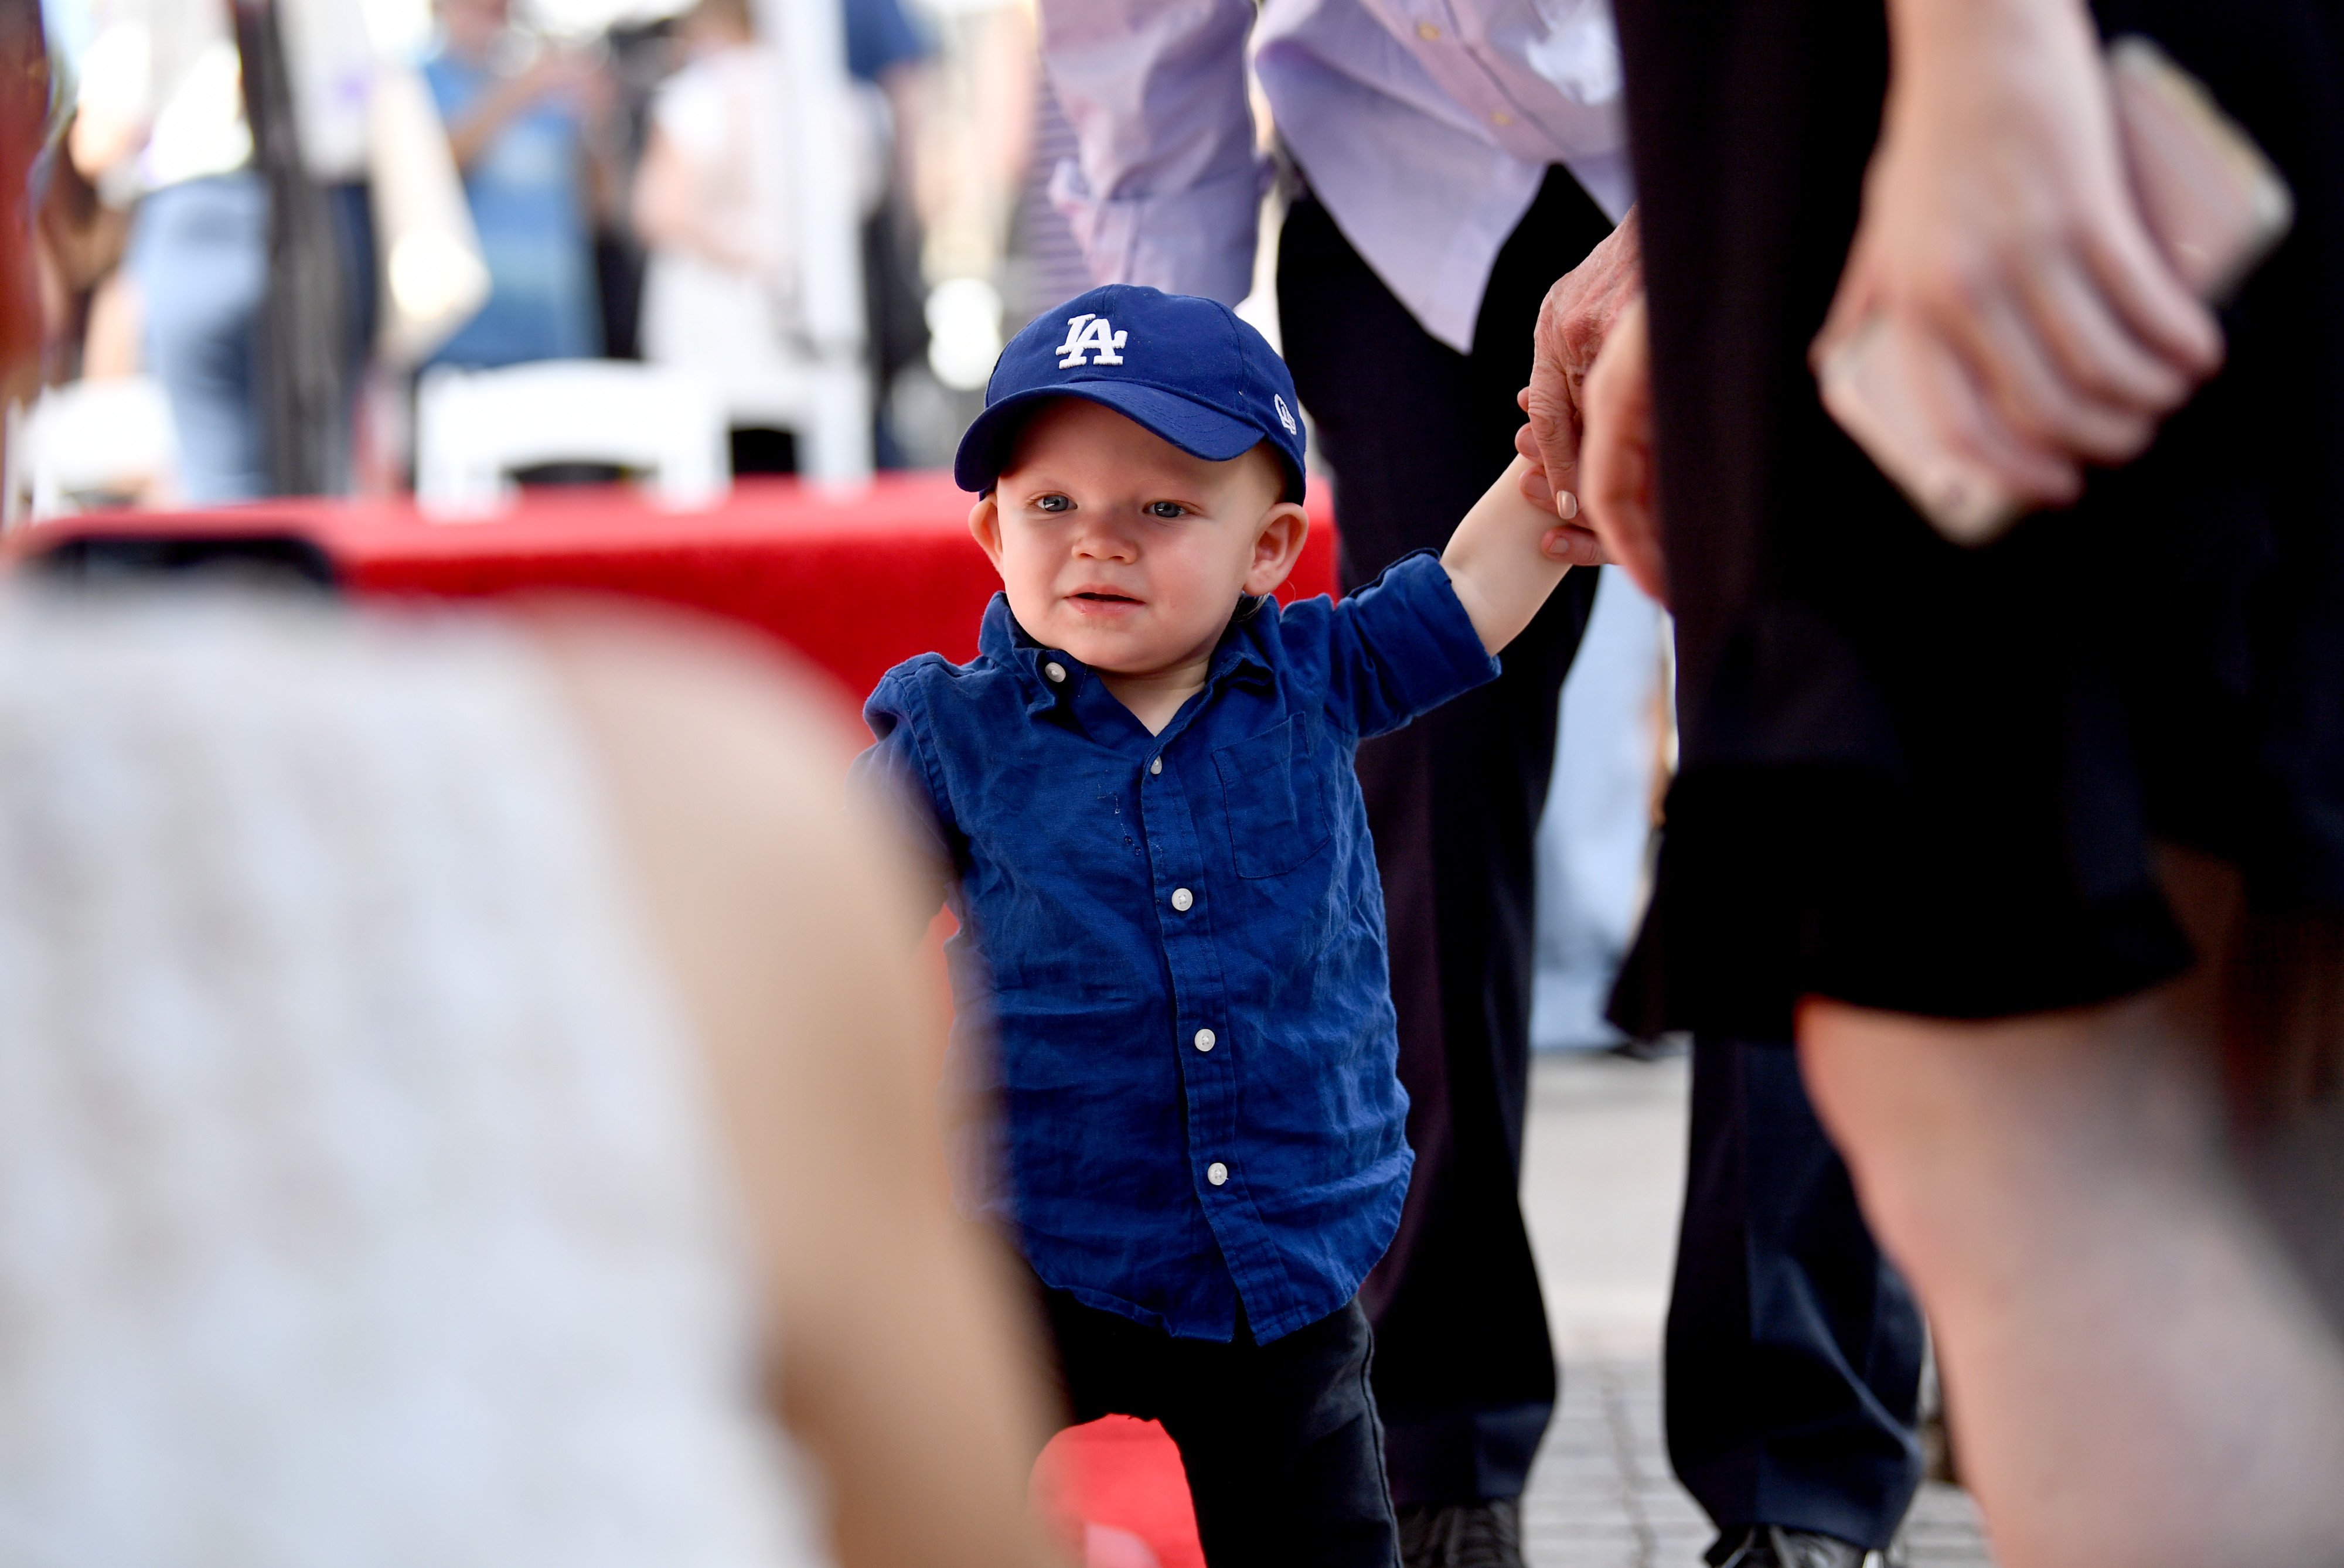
(1947, 40)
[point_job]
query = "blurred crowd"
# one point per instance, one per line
(479, 184)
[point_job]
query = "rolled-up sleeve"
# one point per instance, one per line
(1400, 647)
(1167, 189)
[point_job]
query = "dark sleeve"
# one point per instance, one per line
(1399, 647)
(896, 773)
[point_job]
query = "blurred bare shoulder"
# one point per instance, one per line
(779, 899)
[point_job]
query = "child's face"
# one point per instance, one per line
(1119, 547)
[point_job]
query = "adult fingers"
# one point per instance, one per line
(1617, 468)
(2154, 303)
(2094, 349)
(1967, 419)
(2039, 402)
(1554, 435)
(1536, 487)
(1573, 545)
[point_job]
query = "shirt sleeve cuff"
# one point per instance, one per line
(1199, 240)
(1429, 647)
(1464, 663)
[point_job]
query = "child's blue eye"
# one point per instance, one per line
(1165, 509)
(1053, 503)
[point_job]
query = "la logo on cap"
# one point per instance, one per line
(1092, 336)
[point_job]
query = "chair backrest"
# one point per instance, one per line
(473, 429)
(108, 439)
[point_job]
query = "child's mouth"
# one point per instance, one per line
(1099, 598)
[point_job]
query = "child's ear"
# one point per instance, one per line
(1277, 547)
(984, 526)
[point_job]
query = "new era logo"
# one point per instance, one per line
(1091, 336)
(1285, 414)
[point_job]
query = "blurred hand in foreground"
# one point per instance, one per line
(1616, 460)
(1997, 222)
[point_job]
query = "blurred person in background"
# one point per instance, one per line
(161, 125)
(517, 111)
(712, 198)
(522, 1267)
(715, 201)
(888, 49)
(330, 57)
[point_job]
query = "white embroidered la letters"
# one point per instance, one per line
(1092, 335)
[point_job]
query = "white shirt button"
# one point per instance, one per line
(1216, 1173)
(1427, 31)
(1156, 765)
(1206, 1039)
(1182, 898)
(1055, 671)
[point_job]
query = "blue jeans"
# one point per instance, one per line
(198, 253)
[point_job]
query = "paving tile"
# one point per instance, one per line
(1603, 1169)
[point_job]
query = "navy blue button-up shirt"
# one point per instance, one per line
(1171, 962)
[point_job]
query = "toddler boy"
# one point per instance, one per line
(1172, 934)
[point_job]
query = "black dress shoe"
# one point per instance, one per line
(1771, 1546)
(1483, 1534)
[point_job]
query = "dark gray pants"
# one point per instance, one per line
(1415, 432)
(1793, 1347)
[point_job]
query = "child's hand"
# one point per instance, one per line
(1502, 560)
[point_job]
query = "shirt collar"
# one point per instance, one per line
(1239, 657)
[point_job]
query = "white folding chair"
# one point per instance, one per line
(90, 443)
(474, 429)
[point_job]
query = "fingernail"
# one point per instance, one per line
(1566, 505)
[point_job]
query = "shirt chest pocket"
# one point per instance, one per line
(1275, 800)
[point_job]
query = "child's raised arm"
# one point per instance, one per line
(1496, 563)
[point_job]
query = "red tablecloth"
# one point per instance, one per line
(857, 583)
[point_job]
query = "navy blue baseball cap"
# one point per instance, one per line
(1184, 368)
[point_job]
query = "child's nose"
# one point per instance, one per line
(1102, 542)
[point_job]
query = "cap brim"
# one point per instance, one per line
(1198, 430)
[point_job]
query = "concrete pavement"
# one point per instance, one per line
(1603, 1173)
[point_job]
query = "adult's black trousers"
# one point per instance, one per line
(1414, 433)
(1793, 1352)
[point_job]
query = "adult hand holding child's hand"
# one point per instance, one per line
(1577, 317)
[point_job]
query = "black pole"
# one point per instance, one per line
(304, 402)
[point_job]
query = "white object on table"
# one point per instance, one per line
(112, 438)
(474, 427)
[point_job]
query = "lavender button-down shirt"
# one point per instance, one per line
(1424, 126)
